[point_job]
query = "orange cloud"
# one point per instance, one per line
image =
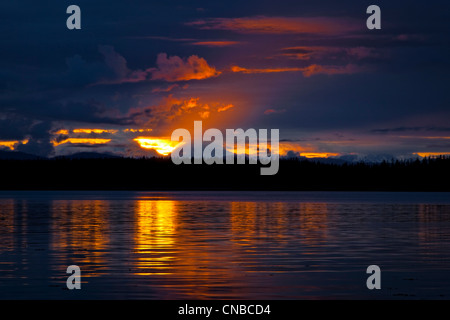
(81, 141)
(432, 154)
(215, 43)
(245, 70)
(285, 147)
(222, 109)
(307, 71)
(277, 25)
(137, 130)
(318, 154)
(163, 146)
(62, 131)
(8, 144)
(95, 131)
(171, 110)
(177, 69)
(317, 52)
(13, 143)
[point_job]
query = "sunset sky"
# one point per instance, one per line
(137, 70)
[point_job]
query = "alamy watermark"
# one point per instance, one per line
(74, 280)
(373, 281)
(236, 146)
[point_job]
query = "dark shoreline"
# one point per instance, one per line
(160, 174)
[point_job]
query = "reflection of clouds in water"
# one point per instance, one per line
(155, 236)
(7, 225)
(80, 234)
(164, 247)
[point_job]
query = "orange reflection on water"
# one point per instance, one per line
(7, 225)
(252, 220)
(313, 223)
(431, 235)
(80, 233)
(155, 236)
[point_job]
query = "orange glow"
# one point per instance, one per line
(245, 70)
(318, 154)
(8, 144)
(293, 146)
(137, 130)
(313, 222)
(7, 226)
(82, 141)
(12, 144)
(432, 154)
(250, 149)
(95, 131)
(161, 145)
(85, 233)
(155, 236)
(215, 43)
(174, 68)
(284, 148)
(62, 131)
(307, 71)
(276, 25)
(222, 109)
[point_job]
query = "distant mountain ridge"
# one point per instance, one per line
(17, 155)
(338, 160)
(88, 155)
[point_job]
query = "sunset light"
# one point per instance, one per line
(162, 146)
(8, 144)
(94, 131)
(81, 141)
(318, 155)
(432, 154)
(243, 154)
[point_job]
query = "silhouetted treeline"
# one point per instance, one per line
(161, 174)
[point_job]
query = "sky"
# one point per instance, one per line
(137, 70)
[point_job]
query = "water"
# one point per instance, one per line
(224, 245)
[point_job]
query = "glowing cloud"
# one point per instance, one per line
(62, 131)
(432, 154)
(277, 25)
(215, 43)
(318, 154)
(13, 143)
(8, 144)
(161, 145)
(81, 141)
(225, 108)
(177, 69)
(307, 71)
(95, 131)
(245, 70)
(137, 130)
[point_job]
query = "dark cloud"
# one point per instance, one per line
(177, 69)
(39, 140)
(414, 129)
(114, 71)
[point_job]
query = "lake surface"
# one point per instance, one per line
(224, 245)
